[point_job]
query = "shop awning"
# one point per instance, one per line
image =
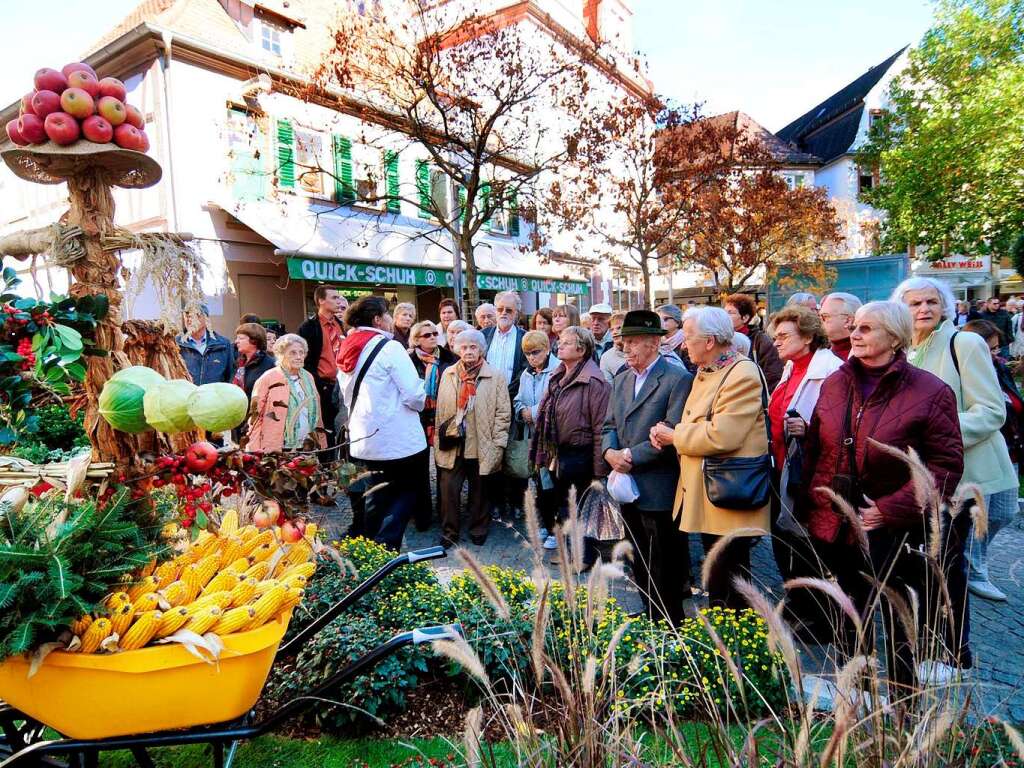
(345, 246)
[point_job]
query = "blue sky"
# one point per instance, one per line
(773, 59)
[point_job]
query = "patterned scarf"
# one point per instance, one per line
(467, 385)
(669, 344)
(304, 396)
(430, 384)
(724, 359)
(544, 447)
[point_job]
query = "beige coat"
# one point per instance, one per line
(736, 429)
(492, 415)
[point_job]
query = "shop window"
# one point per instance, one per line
(309, 149)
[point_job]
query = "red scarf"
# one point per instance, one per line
(352, 348)
(467, 384)
(780, 401)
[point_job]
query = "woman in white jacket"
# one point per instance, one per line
(802, 345)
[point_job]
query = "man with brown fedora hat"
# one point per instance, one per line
(650, 390)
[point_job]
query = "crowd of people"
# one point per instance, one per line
(858, 437)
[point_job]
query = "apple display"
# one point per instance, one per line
(77, 103)
(143, 142)
(111, 86)
(61, 127)
(87, 82)
(201, 456)
(15, 135)
(128, 137)
(32, 128)
(47, 79)
(26, 104)
(77, 66)
(135, 117)
(112, 110)
(97, 129)
(45, 102)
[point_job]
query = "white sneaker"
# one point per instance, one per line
(550, 542)
(937, 673)
(986, 590)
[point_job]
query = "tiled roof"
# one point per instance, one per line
(750, 129)
(829, 129)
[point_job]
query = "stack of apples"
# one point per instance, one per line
(71, 104)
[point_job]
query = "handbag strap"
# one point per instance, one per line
(764, 402)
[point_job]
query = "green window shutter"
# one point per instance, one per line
(248, 178)
(513, 215)
(391, 170)
(485, 196)
(344, 189)
(285, 154)
(423, 188)
(462, 203)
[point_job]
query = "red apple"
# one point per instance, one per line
(128, 137)
(135, 117)
(290, 532)
(97, 129)
(47, 79)
(26, 104)
(261, 519)
(32, 128)
(77, 66)
(45, 102)
(61, 127)
(77, 103)
(272, 510)
(111, 86)
(201, 456)
(144, 139)
(15, 135)
(112, 109)
(86, 81)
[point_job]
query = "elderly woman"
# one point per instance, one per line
(404, 317)
(875, 402)
(802, 345)
(533, 385)
(725, 418)
(743, 312)
(471, 432)
(566, 442)
(285, 407)
(672, 342)
(962, 360)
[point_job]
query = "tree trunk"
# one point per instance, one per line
(470, 299)
(92, 209)
(645, 270)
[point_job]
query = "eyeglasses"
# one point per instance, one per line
(427, 335)
(827, 317)
(784, 336)
(506, 311)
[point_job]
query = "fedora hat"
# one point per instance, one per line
(642, 322)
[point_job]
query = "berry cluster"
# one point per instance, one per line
(25, 350)
(195, 490)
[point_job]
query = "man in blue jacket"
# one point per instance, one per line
(208, 356)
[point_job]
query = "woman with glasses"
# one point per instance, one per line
(430, 361)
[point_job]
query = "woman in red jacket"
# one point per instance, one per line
(878, 399)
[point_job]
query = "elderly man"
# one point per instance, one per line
(650, 391)
(837, 311)
(600, 317)
(208, 356)
(324, 334)
(803, 299)
(486, 316)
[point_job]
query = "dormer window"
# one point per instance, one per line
(271, 35)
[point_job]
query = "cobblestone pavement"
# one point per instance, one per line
(997, 629)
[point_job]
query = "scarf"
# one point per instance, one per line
(467, 385)
(430, 384)
(669, 344)
(239, 377)
(724, 359)
(351, 348)
(544, 447)
(306, 398)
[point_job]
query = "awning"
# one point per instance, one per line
(319, 240)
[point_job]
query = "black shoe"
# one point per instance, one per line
(448, 543)
(478, 540)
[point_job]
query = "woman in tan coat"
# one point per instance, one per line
(728, 386)
(471, 432)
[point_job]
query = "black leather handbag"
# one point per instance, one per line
(740, 482)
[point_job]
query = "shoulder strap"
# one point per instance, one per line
(952, 351)
(764, 400)
(362, 372)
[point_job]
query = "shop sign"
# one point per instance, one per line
(328, 271)
(956, 264)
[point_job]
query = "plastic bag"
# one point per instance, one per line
(622, 487)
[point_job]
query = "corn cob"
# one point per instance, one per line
(267, 605)
(305, 569)
(186, 558)
(263, 553)
(141, 631)
(201, 622)
(165, 574)
(147, 602)
(97, 632)
(176, 593)
(169, 531)
(121, 619)
(228, 523)
(139, 588)
(244, 591)
(241, 565)
(258, 571)
(292, 597)
(207, 568)
(149, 568)
(224, 580)
(263, 537)
(297, 555)
(193, 580)
(234, 620)
(248, 533)
(311, 530)
(116, 600)
(172, 621)
(263, 587)
(231, 551)
(221, 599)
(78, 627)
(296, 580)
(205, 543)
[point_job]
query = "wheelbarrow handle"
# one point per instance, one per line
(406, 558)
(440, 632)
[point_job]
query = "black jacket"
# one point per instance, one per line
(518, 362)
(255, 367)
(445, 360)
(763, 352)
(311, 331)
(1001, 319)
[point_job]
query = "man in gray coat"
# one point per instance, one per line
(650, 391)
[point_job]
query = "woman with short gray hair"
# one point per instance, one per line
(280, 421)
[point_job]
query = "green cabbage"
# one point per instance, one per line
(218, 407)
(166, 406)
(121, 405)
(139, 375)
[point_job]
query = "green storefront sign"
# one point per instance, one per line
(329, 271)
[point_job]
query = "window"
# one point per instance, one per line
(439, 192)
(271, 35)
(865, 179)
(794, 180)
(309, 147)
(368, 176)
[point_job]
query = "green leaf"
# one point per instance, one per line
(69, 337)
(59, 576)
(7, 436)
(7, 593)
(25, 303)
(20, 640)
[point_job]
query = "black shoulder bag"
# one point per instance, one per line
(740, 482)
(343, 432)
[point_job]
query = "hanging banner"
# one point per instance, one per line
(330, 271)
